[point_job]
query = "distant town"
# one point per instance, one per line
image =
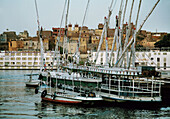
(10, 41)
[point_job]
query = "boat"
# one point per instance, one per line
(123, 83)
(70, 97)
(32, 82)
(72, 94)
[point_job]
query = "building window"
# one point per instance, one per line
(18, 54)
(149, 54)
(19, 63)
(151, 58)
(158, 59)
(24, 54)
(18, 58)
(29, 63)
(137, 54)
(23, 58)
(164, 65)
(164, 53)
(158, 65)
(143, 54)
(164, 59)
(23, 63)
(12, 58)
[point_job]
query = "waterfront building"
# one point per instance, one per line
(24, 59)
(157, 58)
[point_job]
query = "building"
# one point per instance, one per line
(157, 58)
(24, 59)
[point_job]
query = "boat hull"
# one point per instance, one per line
(61, 100)
(115, 98)
(32, 84)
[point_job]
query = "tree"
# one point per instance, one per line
(165, 42)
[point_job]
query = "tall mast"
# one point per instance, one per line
(128, 29)
(118, 43)
(78, 44)
(148, 16)
(103, 32)
(132, 39)
(133, 45)
(65, 35)
(40, 37)
(57, 52)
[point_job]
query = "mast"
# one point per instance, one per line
(57, 52)
(40, 38)
(65, 35)
(115, 39)
(118, 43)
(132, 39)
(148, 16)
(127, 34)
(122, 32)
(103, 32)
(133, 45)
(78, 44)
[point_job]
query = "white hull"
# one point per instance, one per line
(116, 98)
(33, 83)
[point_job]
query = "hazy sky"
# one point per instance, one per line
(20, 15)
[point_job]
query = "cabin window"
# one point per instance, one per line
(151, 58)
(164, 53)
(158, 59)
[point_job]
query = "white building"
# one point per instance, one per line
(24, 60)
(159, 59)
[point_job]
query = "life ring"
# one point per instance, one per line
(44, 93)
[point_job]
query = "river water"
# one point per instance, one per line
(19, 102)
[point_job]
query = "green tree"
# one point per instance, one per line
(164, 42)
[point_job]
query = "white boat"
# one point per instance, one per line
(32, 82)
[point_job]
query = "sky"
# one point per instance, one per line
(20, 15)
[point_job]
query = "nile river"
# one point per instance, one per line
(19, 102)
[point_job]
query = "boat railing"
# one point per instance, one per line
(131, 89)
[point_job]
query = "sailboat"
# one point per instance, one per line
(123, 83)
(62, 95)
